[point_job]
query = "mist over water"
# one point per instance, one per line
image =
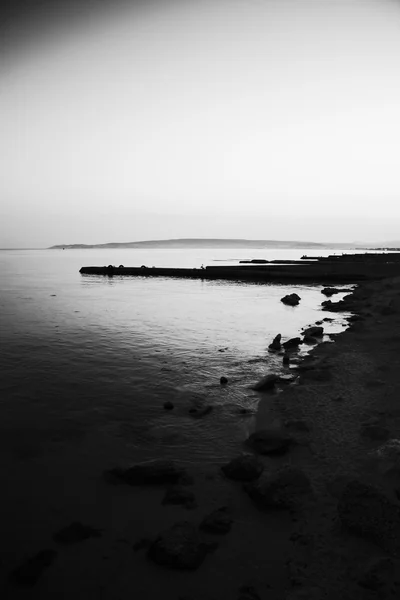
(84, 354)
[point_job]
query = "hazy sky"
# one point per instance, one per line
(126, 121)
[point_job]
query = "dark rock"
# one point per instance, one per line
(180, 547)
(329, 291)
(243, 468)
(266, 383)
(341, 306)
(76, 532)
(269, 441)
(219, 521)
(309, 340)
(141, 544)
(158, 471)
(168, 405)
(286, 489)
(200, 411)
(223, 381)
(288, 378)
(180, 495)
(366, 511)
(291, 299)
(374, 432)
(328, 319)
(276, 343)
(30, 571)
(286, 359)
(378, 574)
(314, 331)
(292, 343)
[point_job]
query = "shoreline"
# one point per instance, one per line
(279, 555)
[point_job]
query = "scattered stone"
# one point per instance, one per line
(154, 472)
(375, 432)
(180, 547)
(276, 343)
(219, 521)
(286, 489)
(269, 441)
(266, 383)
(378, 574)
(141, 544)
(168, 405)
(314, 331)
(76, 532)
(202, 411)
(223, 380)
(318, 322)
(366, 511)
(286, 359)
(30, 571)
(243, 468)
(292, 343)
(180, 495)
(291, 299)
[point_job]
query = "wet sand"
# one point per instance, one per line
(342, 410)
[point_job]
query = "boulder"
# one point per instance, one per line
(366, 511)
(153, 472)
(219, 521)
(180, 547)
(314, 331)
(291, 299)
(292, 343)
(276, 343)
(168, 405)
(223, 380)
(378, 574)
(269, 441)
(243, 468)
(76, 532)
(287, 488)
(179, 494)
(266, 383)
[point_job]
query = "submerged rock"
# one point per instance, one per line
(180, 547)
(269, 441)
(76, 532)
(219, 521)
(291, 299)
(287, 488)
(158, 471)
(243, 468)
(266, 383)
(366, 511)
(31, 570)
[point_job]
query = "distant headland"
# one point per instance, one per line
(201, 243)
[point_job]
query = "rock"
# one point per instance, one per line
(154, 472)
(309, 340)
(223, 381)
(168, 405)
(366, 511)
(378, 574)
(179, 494)
(180, 547)
(76, 532)
(342, 305)
(243, 468)
(266, 383)
(30, 571)
(288, 378)
(200, 411)
(276, 343)
(297, 425)
(269, 441)
(248, 592)
(219, 521)
(286, 359)
(329, 291)
(292, 343)
(286, 489)
(291, 299)
(374, 432)
(314, 331)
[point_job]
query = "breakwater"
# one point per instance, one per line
(339, 269)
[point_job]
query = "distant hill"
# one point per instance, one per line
(202, 243)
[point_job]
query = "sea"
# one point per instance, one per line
(86, 355)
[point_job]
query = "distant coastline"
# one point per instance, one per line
(203, 243)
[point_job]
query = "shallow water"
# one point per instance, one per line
(88, 353)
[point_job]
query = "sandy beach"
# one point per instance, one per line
(320, 519)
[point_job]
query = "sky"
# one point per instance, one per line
(266, 119)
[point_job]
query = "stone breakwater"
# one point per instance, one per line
(307, 508)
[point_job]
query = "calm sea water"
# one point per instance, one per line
(86, 353)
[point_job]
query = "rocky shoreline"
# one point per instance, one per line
(308, 509)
